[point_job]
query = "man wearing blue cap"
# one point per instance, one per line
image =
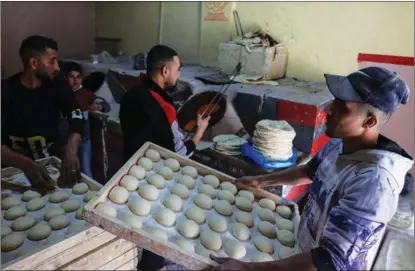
(356, 178)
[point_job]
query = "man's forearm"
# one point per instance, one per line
(302, 261)
(198, 136)
(13, 159)
(292, 176)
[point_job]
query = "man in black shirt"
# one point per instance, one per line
(31, 105)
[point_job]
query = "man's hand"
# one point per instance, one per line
(202, 124)
(70, 168)
(227, 264)
(38, 176)
(250, 181)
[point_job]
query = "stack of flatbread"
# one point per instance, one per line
(274, 139)
(228, 144)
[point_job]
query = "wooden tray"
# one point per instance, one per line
(144, 239)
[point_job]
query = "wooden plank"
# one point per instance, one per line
(132, 254)
(131, 265)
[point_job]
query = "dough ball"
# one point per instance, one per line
(165, 217)
(228, 186)
(211, 180)
(59, 196)
(267, 203)
(226, 195)
(243, 204)
(190, 171)
(241, 231)
(71, 205)
(180, 190)
(165, 172)
(137, 171)
(132, 220)
(159, 234)
(217, 223)
(267, 229)
(156, 180)
(23, 223)
(30, 194)
(149, 192)
(78, 214)
(5, 231)
(202, 251)
(235, 249)
(266, 215)
(139, 206)
(284, 211)
(285, 252)
(153, 155)
(52, 212)
(245, 218)
(88, 196)
(261, 257)
(15, 212)
(75, 228)
(196, 214)
(129, 182)
(39, 232)
(173, 202)
(223, 207)
(185, 245)
(286, 238)
(263, 244)
(10, 202)
(187, 181)
(188, 228)
(145, 163)
(285, 224)
(59, 222)
(173, 164)
(53, 239)
(207, 190)
(211, 240)
(11, 242)
(118, 195)
(35, 204)
(247, 194)
(106, 210)
(203, 201)
(80, 188)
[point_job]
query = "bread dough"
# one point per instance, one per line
(10, 202)
(263, 244)
(23, 223)
(228, 186)
(53, 239)
(59, 222)
(284, 211)
(286, 238)
(145, 163)
(107, 210)
(75, 228)
(241, 231)
(173, 202)
(235, 249)
(189, 170)
(180, 190)
(203, 251)
(30, 194)
(88, 196)
(217, 223)
(159, 234)
(267, 229)
(35, 204)
(266, 215)
(247, 194)
(203, 201)
(137, 171)
(129, 182)
(153, 155)
(165, 217)
(173, 164)
(185, 245)
(78, 214)
(59, 196)
(11, 242)
(188, 228)
(267, 203)
(156, 180)
(139, 206)
(245, 218)
(132, 220)
(285, 252)
(211, 180)
(15, 212)
(39, 232)
(165, 172)
(223, 207)
(118, 195)
(226, 195)
(243, 204)
(196, 214)
(80, 188)
(187, 181)
(261, 257)
(149, 192)
(211, 240)
(52, 212)
(285, 224)
(207, 190)
(71, 205)
(5, 231)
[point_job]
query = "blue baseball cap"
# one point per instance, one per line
(375, 86)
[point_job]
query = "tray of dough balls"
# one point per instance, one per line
(31, 222)
(184, 211)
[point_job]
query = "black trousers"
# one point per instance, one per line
(151, 261)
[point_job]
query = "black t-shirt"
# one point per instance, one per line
(30, 116)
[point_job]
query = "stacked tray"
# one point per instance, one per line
(228, 144)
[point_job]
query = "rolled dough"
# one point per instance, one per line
(145, 163)
(267, 203)
(173, 164)
(188, 228)
(148, 192)
(207, 190)
(59, 196)
(23, 223)
(203, 201)
(15, 212)
(52, 212)
(11, 242)
(59, 222)
(39, 232)
(229, 187)
(165, 217)
(173, 202)
(187, 181)
(10, 202)
(226, 195)
(156, 180)
(35, 204)
(211, 240)
(80, 188)
(71, 205)
(140, 206)
(137, 171)
(235, 249)
(118, 195)
(153, 155)
(196, 214)
(107, 210)
(30, 194)
(129, 182)
(211, 180)
(217, 223)
(189, 170)
(165, 172)
(180, 190)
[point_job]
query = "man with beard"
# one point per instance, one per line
(147, 114)
(32, 102)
